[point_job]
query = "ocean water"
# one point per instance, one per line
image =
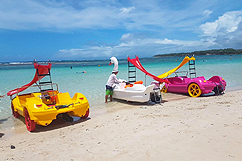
(92, 83)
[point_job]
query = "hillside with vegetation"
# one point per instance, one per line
(228, 51)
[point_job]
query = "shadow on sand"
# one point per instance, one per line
(62, 120)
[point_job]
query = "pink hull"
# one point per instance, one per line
(180, 84)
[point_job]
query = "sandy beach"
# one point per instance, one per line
(204, 128)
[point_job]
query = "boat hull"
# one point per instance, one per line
(137, 93)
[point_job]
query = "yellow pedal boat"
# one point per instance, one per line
(42, 107)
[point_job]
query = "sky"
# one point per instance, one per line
(100, 29)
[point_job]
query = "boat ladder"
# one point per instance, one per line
(45, 82)
(131, 73)
(192, 69)
(46, 87)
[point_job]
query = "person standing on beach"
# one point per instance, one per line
(109, 85)
(112, 79)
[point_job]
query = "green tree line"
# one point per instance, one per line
(228, 51)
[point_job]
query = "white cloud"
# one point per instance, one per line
(125, 37)
(37, 15)
(226, 30)
(93, 51)
(209, 28)
(126, 9)
(151, 27)
(58, 16)
(207, 12)
(145, 47)
(165, 41)
(226, 23)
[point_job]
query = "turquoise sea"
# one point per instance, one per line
(92, 83)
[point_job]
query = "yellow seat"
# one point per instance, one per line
(63, 98)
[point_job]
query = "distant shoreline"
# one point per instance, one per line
(46, 62)
(228, 51)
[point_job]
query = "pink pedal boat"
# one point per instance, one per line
(192, 86)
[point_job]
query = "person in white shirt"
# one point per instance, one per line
(109, 85)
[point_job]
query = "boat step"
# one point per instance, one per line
(43, 90)
(43, 74)
(45, 82)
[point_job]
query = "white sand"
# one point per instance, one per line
(201, 129)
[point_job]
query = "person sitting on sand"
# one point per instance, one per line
(109, 85)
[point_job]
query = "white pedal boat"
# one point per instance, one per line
(136, 93)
